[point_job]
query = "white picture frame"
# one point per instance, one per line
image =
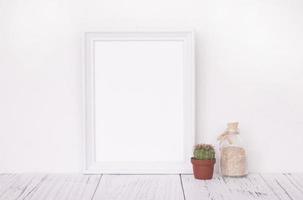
(93, 43)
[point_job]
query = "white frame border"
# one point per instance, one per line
(90, 165)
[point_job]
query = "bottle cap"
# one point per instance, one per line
(232, 126)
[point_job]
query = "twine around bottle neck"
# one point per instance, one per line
(226, 135)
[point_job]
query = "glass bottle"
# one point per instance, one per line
(233, 160)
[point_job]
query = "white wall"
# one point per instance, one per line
(249, 68)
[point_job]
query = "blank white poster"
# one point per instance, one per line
(139, 101)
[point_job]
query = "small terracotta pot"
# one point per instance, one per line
(203, 169)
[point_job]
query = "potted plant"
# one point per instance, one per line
(203, 161)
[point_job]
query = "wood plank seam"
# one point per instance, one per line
(101, 175)
(292, 181)
(269, 186)
(284, 189)
(182, 187)
(33, 189)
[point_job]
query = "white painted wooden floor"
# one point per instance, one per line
(149, 187)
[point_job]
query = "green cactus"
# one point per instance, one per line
(204, 152)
